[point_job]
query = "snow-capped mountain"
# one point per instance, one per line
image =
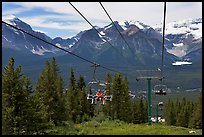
(182, 35)
(15, 39)
(142, 47)
(144, 41)
(144, 51)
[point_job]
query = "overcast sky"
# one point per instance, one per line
(60, 19)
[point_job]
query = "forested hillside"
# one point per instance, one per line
(53, 102)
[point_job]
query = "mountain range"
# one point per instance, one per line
(142, 49)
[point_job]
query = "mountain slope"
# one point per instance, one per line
(142, 52)
(182, 35)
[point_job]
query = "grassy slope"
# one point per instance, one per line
(120, 128)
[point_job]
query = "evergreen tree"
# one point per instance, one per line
(59, 84)
(45, 87)
(142, 111)
(135, 112)
(90, 107)
(177, 111)
(37, 118)
(190, 124)
(72, 82)
(81, 83)
(184, 115)
(58, 94)
(145, 111)
(19, 113)
(139, 111)
(59, 106)
(83, 105)
(72, 97)
(50, 87)
(108, 90)
(117, 87)
(125, 109)
(166, 113)
(180, 118)
(15, 93)
(170, 113)
(188, 112)
(197, 113)
(82, 109)
(55, 68)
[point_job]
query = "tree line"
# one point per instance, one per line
(184, 113)
(28, 110)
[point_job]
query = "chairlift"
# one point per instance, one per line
(160, 103)
(108, 98)
(100, 95)
(143, 97)
(91, 97)
(105, 84)
(160, 89)
(131, 95)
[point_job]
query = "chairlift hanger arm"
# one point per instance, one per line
(95, 66)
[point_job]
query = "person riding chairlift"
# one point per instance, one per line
(99, 95)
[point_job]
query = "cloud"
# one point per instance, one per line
(62, 16)
(183, 10)
(119, 11)
(40, 31)
(58, 22)
(148, 12)
(68, 18)
(13, 11)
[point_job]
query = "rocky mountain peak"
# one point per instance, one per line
(11, 19)
(131, 30)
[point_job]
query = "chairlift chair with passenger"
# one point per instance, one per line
(160, 89)
(100, 95)
(160, 103)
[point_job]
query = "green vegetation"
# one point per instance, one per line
(116, 127)
(54, 108)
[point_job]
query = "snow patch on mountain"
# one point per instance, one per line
(178, 51)
(39, 51)
(139, 24)
(9, 19)
(187, 26)
(181, 34)
(40, 31)
(42, 50)
(76, 38)
(178, 44)
(5, 38)
(107, 27)
(102, 35)
(178, 63)
(122, 24)
(64, 47)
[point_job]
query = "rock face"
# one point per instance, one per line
(184, 37)
(142, 45)
(142, 48)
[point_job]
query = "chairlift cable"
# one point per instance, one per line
(116, 28)
(162, 61)
(98, 32)
(60, 48)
